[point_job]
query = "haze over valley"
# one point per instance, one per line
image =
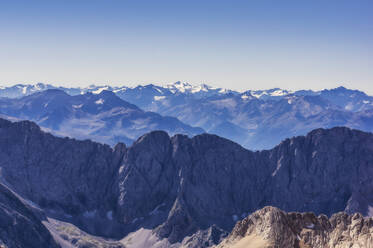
(255, 119)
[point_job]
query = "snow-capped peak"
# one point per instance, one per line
(100, 89)
(182, 87)
(276, 92)
(120, 89)
(26, 89)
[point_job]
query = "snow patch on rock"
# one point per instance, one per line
(77, 106)
(100, 101)
(99, 90)
(244, 97)
(158, 98)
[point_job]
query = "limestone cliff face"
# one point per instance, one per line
(270, 228)
(178, 186)
(64, 176)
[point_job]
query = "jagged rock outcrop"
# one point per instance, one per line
(270, 228)
(179, 186)
(20, 226)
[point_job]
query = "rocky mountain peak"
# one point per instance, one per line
(272, 227)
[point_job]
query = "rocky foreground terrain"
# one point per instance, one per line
(177, 191)
(270, 227)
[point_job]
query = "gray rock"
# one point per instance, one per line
(19, 225)
(270, 227)
(61, 175)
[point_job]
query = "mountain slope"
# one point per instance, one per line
(185, 191)
(19, 225)
(102, 117)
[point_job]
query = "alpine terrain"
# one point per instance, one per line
(184, 192)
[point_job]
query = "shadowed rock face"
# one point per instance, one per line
(19, 225)
(270, 227)
(178, 186)
(66, 176)
(53, 172)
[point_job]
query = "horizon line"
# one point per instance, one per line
(166, 84)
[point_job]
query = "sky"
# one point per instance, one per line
(232, 44)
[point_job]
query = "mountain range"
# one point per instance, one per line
(176, 191)
(256, 119)
(102, 117)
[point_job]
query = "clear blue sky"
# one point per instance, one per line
(233, 44)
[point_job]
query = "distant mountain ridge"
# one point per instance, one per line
(351, 100)
(256, 119)
(336, 95)
(102, 117)
(20, 90)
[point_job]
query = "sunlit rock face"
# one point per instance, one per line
(270, 227)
